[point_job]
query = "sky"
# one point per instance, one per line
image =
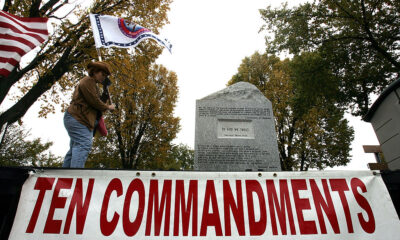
(210, 38)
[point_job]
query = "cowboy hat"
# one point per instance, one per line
(100, 65)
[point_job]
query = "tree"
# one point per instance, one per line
(143, 126)
(70, 47)
(16, 150)
(180, 157)
(311, 130)
(358, 40)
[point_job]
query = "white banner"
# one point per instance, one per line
(111, 31)
(105, 204)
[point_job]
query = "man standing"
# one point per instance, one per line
(80, 117)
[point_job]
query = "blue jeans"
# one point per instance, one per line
(80, 143)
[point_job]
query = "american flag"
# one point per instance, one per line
(18, 36)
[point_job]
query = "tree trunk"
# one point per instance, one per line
(45, 82)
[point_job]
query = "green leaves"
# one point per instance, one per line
(16, 150)
(311, 129)
(359, 41)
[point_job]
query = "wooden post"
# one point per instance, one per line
(376, 150)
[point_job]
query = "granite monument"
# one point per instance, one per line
(235, 131)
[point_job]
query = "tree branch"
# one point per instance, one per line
(15, 75)
(347, 13)
(49, 5)
(373, 41)
(60, 18)
(135, 147)
(7, 5)
(45, 82)
(34, 10)
(121, 146)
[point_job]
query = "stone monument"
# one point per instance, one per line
(235, 131)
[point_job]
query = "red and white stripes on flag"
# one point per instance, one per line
(18, 36)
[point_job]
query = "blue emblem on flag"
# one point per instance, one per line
(130, 29)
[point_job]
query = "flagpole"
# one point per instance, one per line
(99, 54)
(106, 87)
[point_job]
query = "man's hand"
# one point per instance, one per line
(111, 107)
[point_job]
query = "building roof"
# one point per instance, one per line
(394, 85)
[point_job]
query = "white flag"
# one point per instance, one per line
(111, 31)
